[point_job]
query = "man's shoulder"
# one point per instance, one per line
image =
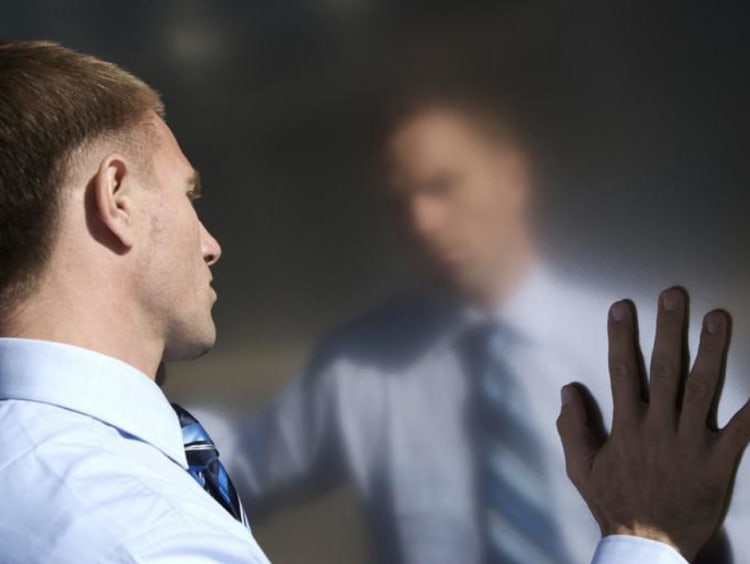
(581, 294)
(570, 312)
(395, 332)
(84, 492)
(65, 457)
(33, 429)
(54, 470)
(414, 309)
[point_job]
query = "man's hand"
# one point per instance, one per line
(665, 472)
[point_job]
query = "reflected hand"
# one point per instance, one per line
(665, 472)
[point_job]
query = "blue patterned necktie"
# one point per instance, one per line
(513, 488)
(205, 467)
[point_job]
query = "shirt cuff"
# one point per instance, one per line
(626, 549)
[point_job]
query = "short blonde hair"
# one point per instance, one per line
(53, 102)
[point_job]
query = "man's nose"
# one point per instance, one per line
(425, 215)
(209, 246)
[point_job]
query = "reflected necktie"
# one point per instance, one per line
(205, 467)
(513, 487)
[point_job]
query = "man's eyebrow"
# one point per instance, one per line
(194, 182)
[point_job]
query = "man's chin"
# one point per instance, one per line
(461, 280)
(467, 285)
(190, 348)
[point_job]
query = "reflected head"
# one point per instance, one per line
(459, 178)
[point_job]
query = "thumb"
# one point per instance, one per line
(736, 434)
(581, 431)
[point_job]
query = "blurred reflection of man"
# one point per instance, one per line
(440, 407)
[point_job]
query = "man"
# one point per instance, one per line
(105, 272)
(450, 445)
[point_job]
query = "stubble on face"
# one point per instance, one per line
(176, 273)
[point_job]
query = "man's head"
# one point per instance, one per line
(95, 197)
(173, 276)
(461, 182)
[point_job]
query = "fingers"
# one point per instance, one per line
(669, 355)
(581, 431)
(624, 364)
(736, 434)
(705, 379)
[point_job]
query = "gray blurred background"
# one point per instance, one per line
(643, 168)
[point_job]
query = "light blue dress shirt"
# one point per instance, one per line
(92, 467)
(624, 549)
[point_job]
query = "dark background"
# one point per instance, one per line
(643, 175)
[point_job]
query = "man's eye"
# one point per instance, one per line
(193, 195)
(441, 187)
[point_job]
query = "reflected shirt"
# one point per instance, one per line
(383, 403)
(93, 469)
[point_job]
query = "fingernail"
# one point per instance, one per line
(713, 323)
(618, 311)
(670, 299)
(566, 395)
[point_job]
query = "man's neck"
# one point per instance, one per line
(98, 326)
(503, 280)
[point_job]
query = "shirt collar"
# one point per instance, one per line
(528, 311)
(93, 384)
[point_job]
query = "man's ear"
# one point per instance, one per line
(111, 190)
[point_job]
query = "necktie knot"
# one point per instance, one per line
(487, 343)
